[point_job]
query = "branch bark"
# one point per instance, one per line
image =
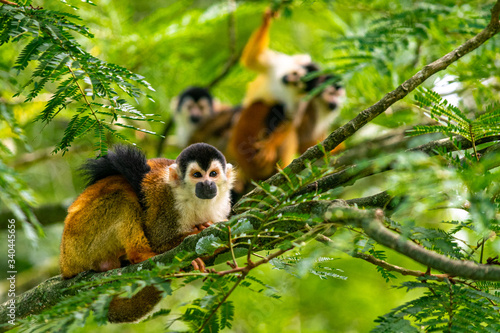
(9, 3)
(372, 223)
(393, 268)
(365, 116)
(234, 56)
(352, 173)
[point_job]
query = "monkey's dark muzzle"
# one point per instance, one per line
(195, 119)
(206, 190)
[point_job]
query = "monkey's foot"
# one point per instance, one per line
(198, 265)
(199, 228)
(205, 225)
(109, 264)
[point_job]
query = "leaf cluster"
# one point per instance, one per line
(453, 121)
(446, 307)
(93, 86)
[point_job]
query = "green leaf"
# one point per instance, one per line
(208, 244)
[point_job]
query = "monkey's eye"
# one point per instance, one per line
(197, 175)
(213, 174)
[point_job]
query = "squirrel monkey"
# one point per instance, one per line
(195, 109)
(279, 75)
(265, 132)
(319, 114)
(134, 208)
(192, 106)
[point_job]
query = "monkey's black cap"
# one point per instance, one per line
(196, 93)
(203, 154)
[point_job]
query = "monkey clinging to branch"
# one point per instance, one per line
(265, 132)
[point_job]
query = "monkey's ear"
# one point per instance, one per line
(174, 103)
(230, 172)
(173, 174)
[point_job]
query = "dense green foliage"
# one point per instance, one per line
(65, 88)
(454, 121)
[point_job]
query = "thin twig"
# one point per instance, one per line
(221, 302)
(163, 138)
(98, 122)
(257, 255)
(83, 94)
(401, 270)
(252, 265)
(231, 246)
(233, 55)
(384, 264)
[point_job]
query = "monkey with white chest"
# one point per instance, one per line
(192, 106)
(134, 209)
(265, 132)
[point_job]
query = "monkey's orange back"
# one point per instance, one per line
(103, 224)
(255, 148)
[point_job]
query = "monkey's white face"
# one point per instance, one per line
(196, 110)
(202, 195)
(203, 183)
(291, 70)
(206, 184)
(333, 97)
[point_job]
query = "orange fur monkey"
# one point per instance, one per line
(135, 208)
(264, 133)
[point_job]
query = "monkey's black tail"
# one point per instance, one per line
(125, 310)
(125, 160)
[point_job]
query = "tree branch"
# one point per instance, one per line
(46, 214)
(342, 178)
(10, 3)
(380, 200)
(352, 173)
(163, 138)
(401, 270)
(371, 222)
(450, 145)
(381, 263)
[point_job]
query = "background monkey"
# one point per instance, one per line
(196, 108)
(135, 208)
(279, 75)
(319, 114)
(265, 133)
(193, 105)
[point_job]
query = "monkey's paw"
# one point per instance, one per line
(198, 265)
(199, 228)
(205, 225)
